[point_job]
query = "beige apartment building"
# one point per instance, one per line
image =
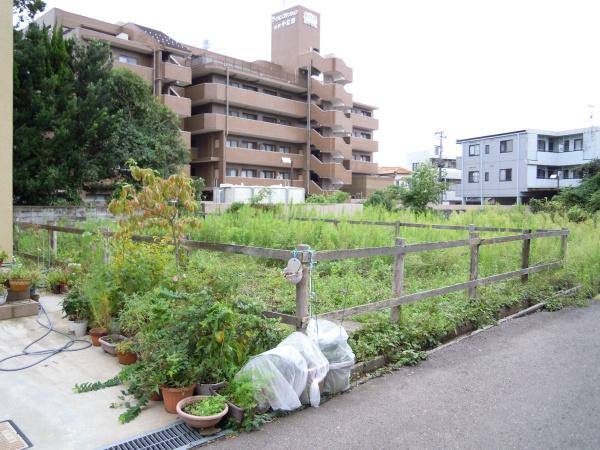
(286, 121)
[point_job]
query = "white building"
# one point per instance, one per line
(508, 168)
(452, 175)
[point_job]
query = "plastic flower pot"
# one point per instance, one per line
(172, 396)
(199, 421)
(126, 358)
(235, 412)
(3, 296)
(109, 343)
(79, 327)
(96, 334)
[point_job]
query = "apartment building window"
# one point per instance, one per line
(128, 59)
(506, 146)
(365, 158)
(269, 119)
(578, 144)
(232, 143)
(578, 174)
(566, 145)
(288, 96)
(283, 175)
(565, 174)
(248, 173)
(551, 146)
(486, 150)
(474, 151)
(474, 176)
(249, 116)
(284, 149)
(486, 176)
(541, 145)
(234, 84)
(365, 135)
(267, 147)
(415, 166)
(505, 174)
(267, 174)
(250, 88)
(541, 172)
(231, 172)
(249, 144)
(270, 92)
(285, 122)
(234, 113)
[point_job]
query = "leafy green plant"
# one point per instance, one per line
(57, 276)
(97, 385)
(241, 391)
(3, 256)
(208, 406)
(75, 305)
(334, 197)
(126, 346)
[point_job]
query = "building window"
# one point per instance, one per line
(267, 174)
(565, 174)
(487, 151)
(283, 175)
(270, 92)
(365, 158)
(578, 174)
(474, 150)
(541, 145)
(551, 146)
(234, 84)
(415, 166)
(506, 146)
(234, 113)
(474, 176)
(269, 119)
(288, 96)
(250, 88)
(285, 122)
(566, 146)
(128, 59)
(486, 176)
(267, 147)
(578, 144)
(541, 172)
(232, 143)
(248, 173)
(232, 173)
(364, 135)
(249, 116)
(284, 149)
(505, 174)
(249, 144)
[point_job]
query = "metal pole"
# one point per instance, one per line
(308, 130)
(302, 289)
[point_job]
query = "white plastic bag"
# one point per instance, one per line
(316, 362)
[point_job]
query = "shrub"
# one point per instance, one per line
(577, 214)
(334, 197)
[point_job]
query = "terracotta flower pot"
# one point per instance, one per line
(126, 358)
(199, 421)
(171, 396)
(96, 334)
(19, 285)
(157, 397)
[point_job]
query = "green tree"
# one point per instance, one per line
(27, 9)
(422, 187)
(587, 194)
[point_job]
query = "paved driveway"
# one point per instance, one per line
(530, 383)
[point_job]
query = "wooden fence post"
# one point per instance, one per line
(525, 256)
(474, 269)
(398, 281)
(53, 244)
(302, 288)
(563, 245)
(397, 229)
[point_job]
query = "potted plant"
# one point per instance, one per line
(3, 256)
(19, 279)
(109, 343)
(77, 309)
(126, 352)
(58, 280)
(201, 411)
(240, 395)
(178, 374)
(36, 281)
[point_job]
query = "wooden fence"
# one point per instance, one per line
(398, 251)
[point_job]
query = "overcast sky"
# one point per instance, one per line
(467, 67)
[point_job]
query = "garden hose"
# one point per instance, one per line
(45, 354)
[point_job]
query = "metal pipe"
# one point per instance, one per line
(308, 129)
(518, 166)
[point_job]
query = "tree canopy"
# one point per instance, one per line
(77, 121)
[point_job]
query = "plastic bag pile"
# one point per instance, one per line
(301, 366)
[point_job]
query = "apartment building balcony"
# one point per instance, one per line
(142, 71)
(552, 183)
(334, 119)
(210, 122)
(175, 73)
(330, 170)
(331, 92)
(186, 137)
(262, 181)
(336, 146)
(366, 122)
(365, 167)
(181, 106)
(364, 145)
(217, 93)
(262, 158)
(559, 159)
(331, 66)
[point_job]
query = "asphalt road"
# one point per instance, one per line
(530, 383)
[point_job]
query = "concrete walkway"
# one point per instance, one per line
(529, 383)
(41, 402)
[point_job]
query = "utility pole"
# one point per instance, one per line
(440, 152)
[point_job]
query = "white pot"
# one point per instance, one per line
(80, 328)
(71, 326)
(3, 297)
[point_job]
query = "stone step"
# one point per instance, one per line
(18, 308)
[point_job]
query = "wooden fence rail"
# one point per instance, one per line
(398, 251)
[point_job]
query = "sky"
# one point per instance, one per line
(466, 67)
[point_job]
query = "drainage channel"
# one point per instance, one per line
(177, 436)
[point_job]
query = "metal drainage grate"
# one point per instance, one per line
(177, 436)
(11, 438)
